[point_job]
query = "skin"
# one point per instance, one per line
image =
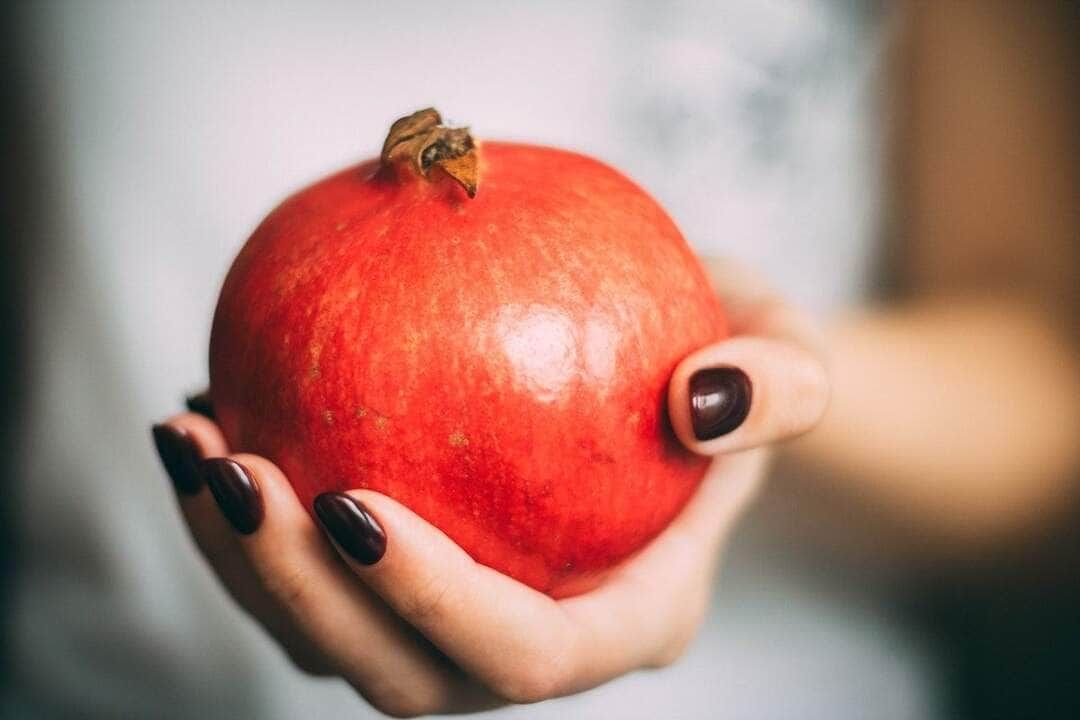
(956, 404)
(428, 630)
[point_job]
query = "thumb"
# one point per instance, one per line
(745, 392)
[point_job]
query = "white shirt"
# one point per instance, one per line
(173, 128)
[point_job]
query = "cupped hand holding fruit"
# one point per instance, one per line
(590, 373)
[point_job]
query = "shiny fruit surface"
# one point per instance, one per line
(498, 364)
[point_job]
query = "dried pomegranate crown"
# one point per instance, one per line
(421, 141)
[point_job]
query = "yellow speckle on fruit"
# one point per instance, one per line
(458, 439)
(360, 412)
(341, 226)
(382, 231)
(314, 372)
(492, 228)
(633, 418)
(328, 417)
(381, 423)
(412, 341)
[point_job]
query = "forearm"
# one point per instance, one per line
(956, 409)
(957, 416)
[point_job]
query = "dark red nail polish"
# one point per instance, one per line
(179, 456)
(200, 403)
(351, 526)
(719, 401)
(236, 492)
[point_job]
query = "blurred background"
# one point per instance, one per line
(908, 172)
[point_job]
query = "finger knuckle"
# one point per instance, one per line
(678, 641)
(524, 688)
(299, 651)
(397, 702)
(400, 707)
(535, 679)
(427, 603)
(307, 664)
(289, 587)
(672, 651)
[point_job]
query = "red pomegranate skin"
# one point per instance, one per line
(498, 364)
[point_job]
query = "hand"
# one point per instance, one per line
(417, 627)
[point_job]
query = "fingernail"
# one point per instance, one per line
(200, 403)
(179, 456)
(351, 526)
(236, 492)
(719, 401)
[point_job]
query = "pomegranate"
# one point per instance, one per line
(484, 332)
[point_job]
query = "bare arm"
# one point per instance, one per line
(956, 406)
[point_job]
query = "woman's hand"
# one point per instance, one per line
(398, 610)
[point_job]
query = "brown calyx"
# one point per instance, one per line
(421, 141)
